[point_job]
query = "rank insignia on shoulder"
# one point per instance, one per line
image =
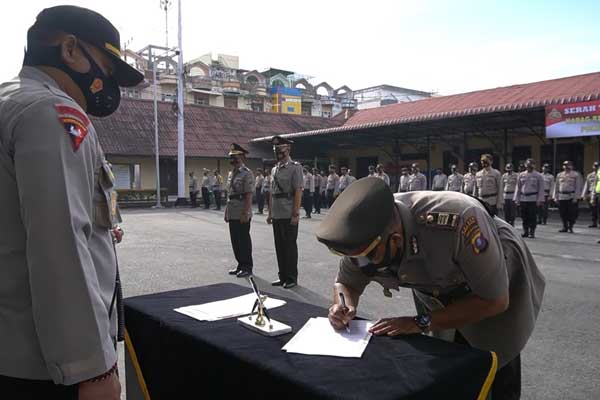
(442, 220)
(75, 122)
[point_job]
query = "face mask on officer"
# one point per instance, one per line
(101, 93)
(235, 161)
(485, 162)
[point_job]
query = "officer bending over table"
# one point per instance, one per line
(473, 279)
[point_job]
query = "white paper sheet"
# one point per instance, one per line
(229, 308)
(317, 337)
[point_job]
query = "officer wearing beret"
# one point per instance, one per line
(284, 213)
(238, 212)
(57, 275)
(474, 280)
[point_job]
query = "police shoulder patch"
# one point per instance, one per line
(75, 122)
(471, 232)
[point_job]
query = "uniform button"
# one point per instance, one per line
(430, 218)
(403, 277)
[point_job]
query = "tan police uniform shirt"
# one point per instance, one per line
(439, 182)
(333, 183)
(469, 183)
(287, 178)
(530, 187)
(57, 263)
(193, 184)
(509, 185)
(384, 177)
(345, 181)
(416, 182)
(568, 186)
(548, 184)
(455, 182)
(240, 182)
(449, 241)
(258, 182)
(589, 186)
(488, 186)
(403, 185)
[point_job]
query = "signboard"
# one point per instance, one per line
(573, 120)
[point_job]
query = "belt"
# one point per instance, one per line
(438, 189)
(456, 293)
(530, 193)
(509, 192)
(236, 197)
(282, 195)
(567, 192)
(546, 191)
(483, 196)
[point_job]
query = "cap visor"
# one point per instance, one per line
(125, 74)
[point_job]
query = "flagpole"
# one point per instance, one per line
(181, 199)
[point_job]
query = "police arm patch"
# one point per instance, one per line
(75, 123)
(473, 236)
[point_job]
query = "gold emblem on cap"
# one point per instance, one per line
(112, 49)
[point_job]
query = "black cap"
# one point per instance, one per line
(236, 150)
(359, 215)
(94, 29)
(278, 141)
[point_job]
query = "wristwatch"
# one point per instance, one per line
(423, 322)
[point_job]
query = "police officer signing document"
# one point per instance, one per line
(57, 263)
(473, 279)
(286, 195)
(238, 211)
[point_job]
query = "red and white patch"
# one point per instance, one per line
(76, 123)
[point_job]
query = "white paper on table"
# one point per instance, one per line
(228, 308)
(318, 337)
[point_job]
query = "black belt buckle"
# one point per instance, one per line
(236, 196)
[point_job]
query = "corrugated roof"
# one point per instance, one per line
(503, 99)
(209, 131)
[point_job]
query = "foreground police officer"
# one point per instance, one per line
(567, 192)
(488, 184)
(57, 262)
(286, 196)
(529, 195)
(473, 278)
(548, 190)
(509, 185)
(238, 212)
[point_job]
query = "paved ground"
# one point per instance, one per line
(179, 248)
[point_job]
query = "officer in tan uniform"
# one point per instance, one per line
(529, 195)
(469, 179)
(57, 261)
(488, 184)
(455, 180)
(439, 181)
(416, 180)
(567, 192)
(332, 186)
(588, 193)
(548, 190)
(509, 185)
(474, 280)
(238, 212)
(404, 178)
(284, 214)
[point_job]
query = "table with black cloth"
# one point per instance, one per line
(172, 356)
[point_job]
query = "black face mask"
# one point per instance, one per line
(101, 93)
(485, 164)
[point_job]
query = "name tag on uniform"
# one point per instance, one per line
(441, 220)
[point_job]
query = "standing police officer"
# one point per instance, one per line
(548, 190)
(404, 178)
(473, 279)
(488, 184)
(286, 195)
(258, 184)
(588, 193)
(455, 180)
(416, 180)
(509, 184)
(238, 212)
(440, 180)
(529, 195)
(567, 191)
(469, 179)
(332, 186)
(308, 192)
(57, 274)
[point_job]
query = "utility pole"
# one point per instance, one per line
(157, 160)
(181, 199)
(165, 5)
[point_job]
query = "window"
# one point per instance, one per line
(201, 99)
(168, 97)
(231, 102)
(326, 114)
(258, 107)
(306, 109)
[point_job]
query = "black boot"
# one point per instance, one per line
(525, 232)
(564, 228)
(532, 233)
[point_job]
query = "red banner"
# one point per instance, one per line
(573, 120)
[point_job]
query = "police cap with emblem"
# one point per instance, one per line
(279, 141)
(92, 28)
(237, 150)
(356, 221)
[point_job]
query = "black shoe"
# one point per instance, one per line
(234, 271)
(278, 282)
(289, 285)
(593, 226)
(571, 230)
(563, 230)
(243, 274)
(544, 223)
(532, 235)
(525, 234)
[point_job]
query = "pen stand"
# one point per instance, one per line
(259, 322)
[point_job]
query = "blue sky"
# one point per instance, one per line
(444, 46)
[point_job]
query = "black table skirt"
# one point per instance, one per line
(178, 357)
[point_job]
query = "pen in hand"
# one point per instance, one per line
(343, 303)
